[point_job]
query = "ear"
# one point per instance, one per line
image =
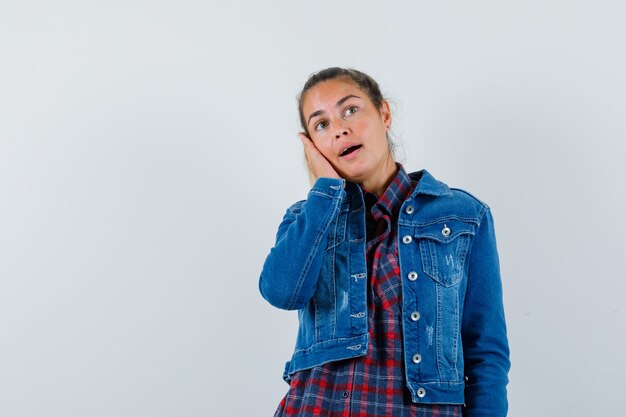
(385, 113)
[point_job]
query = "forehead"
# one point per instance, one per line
(327, 93)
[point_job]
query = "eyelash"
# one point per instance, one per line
(317, 125)
(351, 107)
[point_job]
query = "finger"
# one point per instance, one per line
(317, 162)
(303, 139)
(311, 152)
(306, 142)
(309, 146)
(306, 149)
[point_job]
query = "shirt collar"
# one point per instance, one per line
(397, 191)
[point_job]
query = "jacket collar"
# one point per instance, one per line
(427, 184)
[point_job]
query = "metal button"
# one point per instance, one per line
(421, 392)
(417, 358)
(407, 239)
(415, 316)
(445, 231)
(412, 276)
(409, 209)
(345, 394)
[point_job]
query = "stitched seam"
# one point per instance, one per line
(312, 254)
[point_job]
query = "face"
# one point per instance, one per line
(348, 129)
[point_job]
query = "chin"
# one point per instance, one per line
(354, 175)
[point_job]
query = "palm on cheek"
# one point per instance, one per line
(318, 164)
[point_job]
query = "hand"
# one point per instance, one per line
(317, 163)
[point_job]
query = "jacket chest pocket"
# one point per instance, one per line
(337, 228)
(443, 248)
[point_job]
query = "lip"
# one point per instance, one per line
(347, 145)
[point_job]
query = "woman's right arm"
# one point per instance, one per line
(291, 269)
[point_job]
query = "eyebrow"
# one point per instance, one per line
(339, 103)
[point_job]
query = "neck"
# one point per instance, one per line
(377, 184)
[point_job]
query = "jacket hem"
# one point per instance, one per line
(326, 351)
(437, 392)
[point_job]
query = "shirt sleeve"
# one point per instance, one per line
(485, 344)
(291, 270)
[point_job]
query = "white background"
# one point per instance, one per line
(148, 151)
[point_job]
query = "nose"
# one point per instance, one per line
(342, 131)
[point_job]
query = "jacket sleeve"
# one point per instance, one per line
(485, 344)
(290, 272)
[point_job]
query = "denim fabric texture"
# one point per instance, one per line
(450, 275)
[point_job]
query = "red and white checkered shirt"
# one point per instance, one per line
(372, 385)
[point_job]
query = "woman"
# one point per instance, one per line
(395, 276)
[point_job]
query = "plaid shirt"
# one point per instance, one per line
(372, 385)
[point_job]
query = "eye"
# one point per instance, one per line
(321, 125)
(350, 110)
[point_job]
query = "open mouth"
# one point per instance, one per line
(349, 150)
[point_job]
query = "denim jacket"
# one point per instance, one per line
(456, 349)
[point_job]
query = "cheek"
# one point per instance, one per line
(323, 144)
(379, 134)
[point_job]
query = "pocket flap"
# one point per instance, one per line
(445, 231)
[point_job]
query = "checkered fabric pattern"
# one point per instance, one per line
(372, 385)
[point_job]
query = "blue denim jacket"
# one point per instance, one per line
(457, 350)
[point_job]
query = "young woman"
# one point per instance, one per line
(394, 275)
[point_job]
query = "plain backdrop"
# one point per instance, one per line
(148, 152)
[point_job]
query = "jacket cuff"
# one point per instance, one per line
(328, 187)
